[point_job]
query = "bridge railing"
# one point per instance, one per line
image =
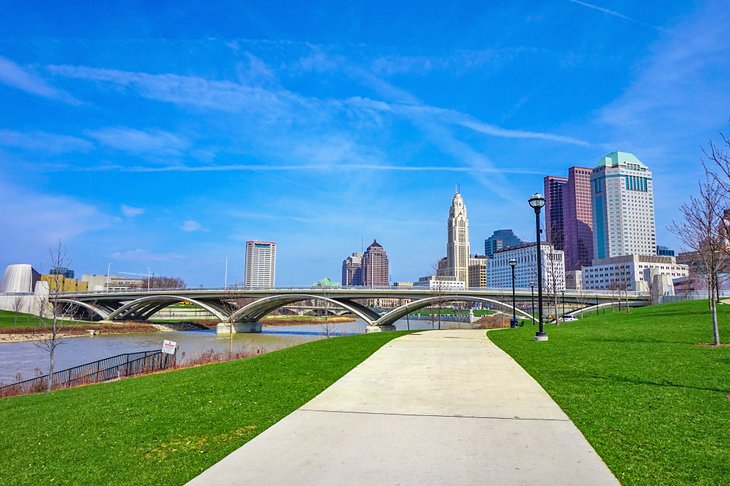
(315, 289)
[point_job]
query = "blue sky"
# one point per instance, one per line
(163, 135)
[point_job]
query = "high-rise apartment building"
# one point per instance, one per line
(457, 244)
(577, 219)
(500, 240)
(352, 270)
(375, 266)
(260, 266)
(499, 271)
(623, 207)
(477, 272)
(554, 187)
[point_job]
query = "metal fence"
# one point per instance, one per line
(106, 369)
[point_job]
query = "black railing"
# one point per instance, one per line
(106, 369)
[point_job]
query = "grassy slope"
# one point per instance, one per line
(8, 321)
(652, 403)
(165, 428)
(23, 320)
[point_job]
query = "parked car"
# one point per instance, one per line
(569, 318)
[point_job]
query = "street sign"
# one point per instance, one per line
(169, 347)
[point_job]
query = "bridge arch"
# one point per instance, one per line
(103, 314)
(158, 302)
(593, 308)
(401, 311)
(255, 311)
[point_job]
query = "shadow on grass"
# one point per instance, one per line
(638, 340)
(637, 381)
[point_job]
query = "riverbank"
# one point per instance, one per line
(166, 428)
(34, 331)
(38, 333)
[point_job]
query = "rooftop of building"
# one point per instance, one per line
(521, 246)
(375, 244)
(633, 257)
(614, 159)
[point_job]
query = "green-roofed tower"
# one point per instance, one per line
(622, 194)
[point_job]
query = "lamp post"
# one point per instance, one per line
(513, 322)
(563, 292)
(532, 301)
(537, 201)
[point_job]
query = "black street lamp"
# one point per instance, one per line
(563, 292)
(513, 322)
(532, 301)
(536, 203)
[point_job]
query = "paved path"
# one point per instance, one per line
(436, 407)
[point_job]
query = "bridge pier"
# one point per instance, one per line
(225, 327)
(373, 328)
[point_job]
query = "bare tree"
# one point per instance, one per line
(717, 163)
(54, 327)
(327, 325)
(160, 282)
(17, 304)
(700, 231)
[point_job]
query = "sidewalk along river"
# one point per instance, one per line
(28, 359)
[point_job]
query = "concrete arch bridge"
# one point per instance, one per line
(242, 309)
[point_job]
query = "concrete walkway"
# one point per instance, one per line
(436, 407)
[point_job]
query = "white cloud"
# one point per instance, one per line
(49, 143)
(13, 75)
(141, 255)
(679, 91)
(191, 90)
(131, 211)
(139, 141)
(30, 221)
(191, 225)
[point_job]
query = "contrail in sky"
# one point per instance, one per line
(616, 14)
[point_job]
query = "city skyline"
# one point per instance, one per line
(159, 137)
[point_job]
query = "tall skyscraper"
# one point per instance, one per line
(260, 266)
(554, 187)
(623, 207)
(375, 266)
(577, 219)
(500, 239)
(457, 245)
(352, 270)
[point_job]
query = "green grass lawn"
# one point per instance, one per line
(11, 319)
(169, 427)
(8, 320)
(652, 403)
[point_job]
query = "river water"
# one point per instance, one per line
(26, 359)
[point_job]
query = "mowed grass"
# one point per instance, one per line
(10, 319)
(652, 403)
(169, 427)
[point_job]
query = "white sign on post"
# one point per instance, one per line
(169, 347)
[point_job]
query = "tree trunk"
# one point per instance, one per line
(52, 366)
(715, 329)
